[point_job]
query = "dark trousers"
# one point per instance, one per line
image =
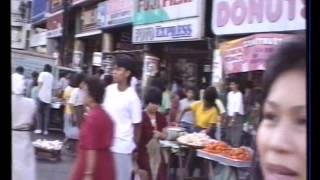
(235, 131)
(43, 115)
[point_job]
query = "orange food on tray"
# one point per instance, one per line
(225, 150)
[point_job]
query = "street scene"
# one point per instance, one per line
(158, 90)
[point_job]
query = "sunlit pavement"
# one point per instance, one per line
(48, 170)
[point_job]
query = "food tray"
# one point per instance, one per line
(190, 145)
(223, 160)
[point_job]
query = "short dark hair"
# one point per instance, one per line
(96, 89)
(34, 74)
(210, 95)
(291, 55)
(126, 61)
(20, 69)
(153, 95)
(107, 80)
(234, 80)
(76, 80)
(47, 68)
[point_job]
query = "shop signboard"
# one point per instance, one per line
(107, 63)
(39, 10)
(101, 14)
(176, 30)
(97, 59)
(119, 12)
(150, 67)
(252, 16)
(216, 67)
(55, 33)
(77, 59)
(55, 5)
(250, 53)
(89, 17)
(154, 11)
(39, 39)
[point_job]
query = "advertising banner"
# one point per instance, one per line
(39, 39)
(101, 14)
(176, 30)
(154, 11)
(97, 59)
(150, 67)
(250, 53)
(251, 16)
(119, 12)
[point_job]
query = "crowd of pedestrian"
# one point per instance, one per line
(118, 132)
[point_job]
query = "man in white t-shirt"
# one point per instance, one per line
(124, 106)
(45, 83)
(18, 77)
(235, 111)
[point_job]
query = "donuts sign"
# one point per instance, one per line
(251, 16)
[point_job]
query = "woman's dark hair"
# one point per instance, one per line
(47, 68)
(34, 76)
(210, 95)
(95, 89)
(76, 80)
(125, 61)
(20, 69)
(107, 79)
(291, 55)
(153, 95)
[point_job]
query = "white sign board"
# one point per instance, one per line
(176, 30)
(54, 33)
(216, 67)
(251, 16)
(97, 59)
(39, 39)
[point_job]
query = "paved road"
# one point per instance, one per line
(47, 170)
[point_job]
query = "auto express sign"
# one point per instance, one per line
(252, 16)
(176, 30)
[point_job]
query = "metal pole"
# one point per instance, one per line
(63, 45)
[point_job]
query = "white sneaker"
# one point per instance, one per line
(37, 131)
(45, 133)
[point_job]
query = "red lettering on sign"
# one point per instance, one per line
(303, 10)
(238, 5)
(255, 11)
(274, 15)
(222, 14)
(291, 9)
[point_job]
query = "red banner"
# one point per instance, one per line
(250, 53)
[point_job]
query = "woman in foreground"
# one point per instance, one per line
(281, 138)
(94, 159)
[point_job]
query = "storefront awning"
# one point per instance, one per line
(249, 53)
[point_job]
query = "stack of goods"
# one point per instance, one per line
(222, 149)
(195, 139)
(48, 150)
(49, 145)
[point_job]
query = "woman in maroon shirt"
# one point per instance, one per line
(148, 149)
(94, 160)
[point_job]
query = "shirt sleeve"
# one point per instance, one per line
(73, 96)
(136, 110)
(194, 106)
(40, 78)
(220, 106)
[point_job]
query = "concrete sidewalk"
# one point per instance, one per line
(61, 170)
